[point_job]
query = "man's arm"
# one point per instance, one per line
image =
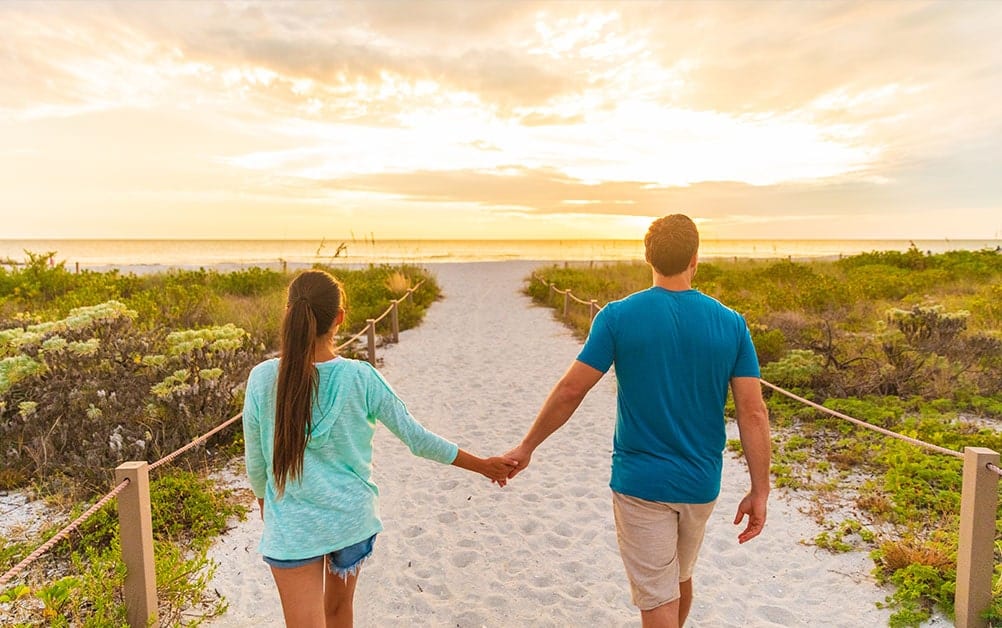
(563, 400)
(753, 425)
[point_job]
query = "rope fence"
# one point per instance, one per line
(876, 428)
(370, 325)
(62, 534)
(978, 500)
(135, 516)
(201, 439)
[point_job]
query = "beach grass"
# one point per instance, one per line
(908, 341)
(101, 367)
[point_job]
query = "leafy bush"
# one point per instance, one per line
(798, 368)
(80, 394)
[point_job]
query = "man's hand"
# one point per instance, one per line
(498, 469)
(754, 507)
(520, 456)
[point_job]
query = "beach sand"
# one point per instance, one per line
(458, 551)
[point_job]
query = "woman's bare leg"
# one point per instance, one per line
(302, 592)
(339, 599)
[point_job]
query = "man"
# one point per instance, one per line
(676, 351)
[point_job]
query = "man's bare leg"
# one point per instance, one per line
(685, 601)
(664, 616)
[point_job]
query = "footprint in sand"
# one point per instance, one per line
(777, 615)
(463, 559)
(413, 532)
(447, 485)
(528, 526)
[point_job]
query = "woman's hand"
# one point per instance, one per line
(260, 506)
(497, 469)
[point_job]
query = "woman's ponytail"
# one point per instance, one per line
(314, 301)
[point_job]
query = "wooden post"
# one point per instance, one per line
(78, 267)
(594, 308)
(136, 525)
(285, 267)
(975, 553)
(395, 322)
(371, 328)
(549, 295)
(567, 301)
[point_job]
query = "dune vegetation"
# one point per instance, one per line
(97, 368)
(908, 341)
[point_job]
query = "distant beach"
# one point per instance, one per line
(155, 255)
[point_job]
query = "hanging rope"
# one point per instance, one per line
(62, 534)
(869, 426)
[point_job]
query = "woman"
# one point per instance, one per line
(309, 418)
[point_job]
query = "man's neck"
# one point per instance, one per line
(676, 283)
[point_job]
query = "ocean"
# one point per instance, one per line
(100, 254)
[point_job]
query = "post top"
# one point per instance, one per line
(132, 464)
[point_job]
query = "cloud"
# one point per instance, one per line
(959, 179)
(763, 109)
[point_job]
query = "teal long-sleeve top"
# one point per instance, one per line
(334, 503)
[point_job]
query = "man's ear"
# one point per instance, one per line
(339, 318)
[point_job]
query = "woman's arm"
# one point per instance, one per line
(495, 468)
(256, 465)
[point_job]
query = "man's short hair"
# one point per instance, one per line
(670, 244)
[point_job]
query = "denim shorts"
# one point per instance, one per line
(343, 562)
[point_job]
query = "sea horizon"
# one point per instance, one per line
(100, 253)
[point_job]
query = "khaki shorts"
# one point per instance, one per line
(659, 543)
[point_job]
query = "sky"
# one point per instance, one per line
(512, 119)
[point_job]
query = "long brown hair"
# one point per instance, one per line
(313, 305)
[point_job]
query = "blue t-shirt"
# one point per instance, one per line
(675, 353)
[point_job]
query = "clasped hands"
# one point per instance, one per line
(500, 469)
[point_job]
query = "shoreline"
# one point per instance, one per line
(279, 266)
(148, 255)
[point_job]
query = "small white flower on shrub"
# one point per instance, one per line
(115, 440)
